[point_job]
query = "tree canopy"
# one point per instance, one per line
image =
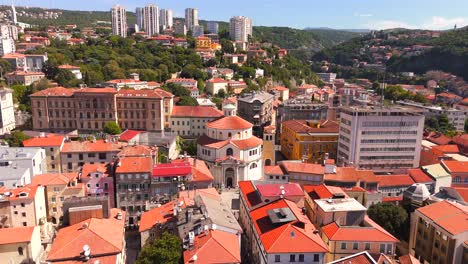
(391, 217)
(164, 250)
(112, 128)
(16, 139)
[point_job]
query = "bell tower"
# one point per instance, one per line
(269, 133)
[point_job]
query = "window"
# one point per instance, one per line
(91, 155)
(382, 248)
(102, 156)
(23, 214)
(253, 166)
(301, 257)
(355, 246)
(25, 224)
(277, 258)
(367, 246)
(69, 165)
(292, 258)
(23, 205)
(80, 156)
(343, 245)
(229, 152)
(316, 257)
(20, 251)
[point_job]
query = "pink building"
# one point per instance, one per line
(98, 180)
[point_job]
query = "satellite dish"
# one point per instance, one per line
(86, 250)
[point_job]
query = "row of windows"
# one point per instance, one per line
(412, 132)
(206, 152)
(387, 141)
(387, 157)
(136, 176)
(389, 124)
(386, 149)
(300, 258)
(345, 130)
(343, 146)
(345, 139)
(253, 152)
(458, 179)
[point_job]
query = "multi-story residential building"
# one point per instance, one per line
(7, 46)
(214, 85)
(58, 187)
(91, 240)
(52, 145)
(190, 121)
(75, 154)
(33, 159)
(23, 77)
(392, 187)
(256, 108)
(310, 141)
(191, 18)
(212, 27)
(439, 233)
(151, 19)
(455, 116)
(327, 77)
(98, 180)
(295, 239)
(458, 171)
(7, 113)
(230, 150)
(180, 28)
(133, 83)
(384, 139)
(89, 109)
(21, 244)
(166, 19)
(300, 108)
(240, 28)
(35, 62)
(133, 185)
(140, 18)
(14, 176)
(22, 206)
(119, 21)
(295, 171)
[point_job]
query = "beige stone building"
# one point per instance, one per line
(190, 121)
(52, 144)
(89, 109)
(24, 78)
(59, 187)
(20, 245)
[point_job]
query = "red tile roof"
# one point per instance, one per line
(463, 192)
(29, 190)
(226, 245)
(249, 143)
(455, 166)
(392, 199)
(200, 171)
(273, 170)
(138, 151)
(25, 73)
(395, 180)
(13, 56)
(96, 90)
(294, 236)
(350, 174)
(103, 236)
(217, 80)
(419, 176)
(195, 111)
(156, 93)
(229, 123)
(447, 148)
(300, 167)
(134, 164)
(54, 179)
(90, 146)
(274, 189)
(280, 88)
(162, 214)
(128, 135)
(172, 169)
(47, 141)
(408, 259)
(16, 235)
(371, 233)
(87, 169)
(56, 91)
(323, 191)
(301, 126)
(452, 217)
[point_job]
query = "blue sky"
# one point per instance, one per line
(373, 14)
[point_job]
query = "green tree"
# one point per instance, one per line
(221, 93)
(16, 139)
(187, 100)
(164, 250)
(177, 89)
(5, 67)
(391, 217)
(66, 79)
(226, 46)
(112, 128)
(201, 86)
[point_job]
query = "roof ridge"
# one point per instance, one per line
(212, 237)
(100, 235)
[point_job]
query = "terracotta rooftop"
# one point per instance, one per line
(447, 148)
(301, 126)
(46, 141)
(128, 135)
(137, 151)
(200, 171)
(323, 191)
(156, 93)
(162, 214)
(69, 67)
(135, 165)
(25, 73)
(300, 167)
(88, 168)
(419, 176)
(273, 170)
(250, 194)
(451, 217)
(16, 235)
(90, 146)
(274, 189)
(454, 166)
(103, 236)
(395, 180)
(229, 123)
(351, 174)
(195, 111)
(172, 169)
(54, 179)
(240, 143)
(25, 192)
(55, 91)
(359, 258)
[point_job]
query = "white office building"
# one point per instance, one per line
(166, 19)
(19, 160)
(139, 18)
(151, 19)
(191, 18)
(383, 139)
(240, 28)
(7, 46)
(119, 21)
(212, 27)
(7, 111)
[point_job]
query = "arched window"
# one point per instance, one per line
(229, 135)
(229, 152)
(20, 251)
(253, 166)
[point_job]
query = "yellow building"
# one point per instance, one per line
(203, 43)
(20, 245)
(309, 140)
(269, 145)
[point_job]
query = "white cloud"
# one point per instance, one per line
(363, 15)
(434, 23)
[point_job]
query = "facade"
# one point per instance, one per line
(20, 244)
(119, 21)
(213, 86)
(7, 46)
(439, 233)
(99, 181)
(59, 187)
(52, 145)
(139, 18)
(310, 141)
(231, 151)
(240, 28)
(91, 237)
(31, 159)
(23, 78)
(7, 111)
(191, 18)
(166, 19)
(89, 109)
(23, 206)
(75, 154)
(190, 121)
(269, 147)
(327, 77)
(256, 108)
(151, 20)
(180, 28)
(381, 139)
(212, 27)
(300, 108)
